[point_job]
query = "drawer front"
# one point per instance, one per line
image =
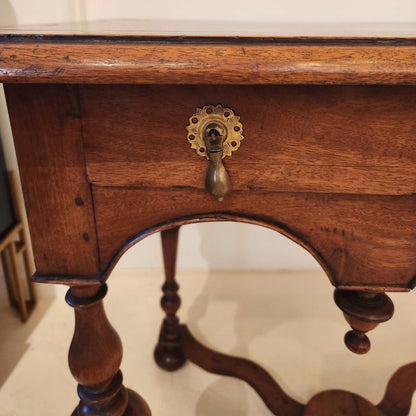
(327, 139)
(359, 240)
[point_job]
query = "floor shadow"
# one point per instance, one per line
(223, 397)
(297, 315)
(14, 334)
(258, 310)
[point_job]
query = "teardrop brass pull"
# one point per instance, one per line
(215, 132)
(217, 180)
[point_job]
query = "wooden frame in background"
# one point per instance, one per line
(12, 245)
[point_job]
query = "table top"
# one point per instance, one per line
(168, 52)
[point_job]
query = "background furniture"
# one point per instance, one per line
(7, 219)
(327, 159)
(13, 243)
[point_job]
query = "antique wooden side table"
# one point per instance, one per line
(122, 135)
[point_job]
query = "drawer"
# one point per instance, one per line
(329, 139)
(145, 176)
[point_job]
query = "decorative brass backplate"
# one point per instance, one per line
(215, 116)
(215, 132)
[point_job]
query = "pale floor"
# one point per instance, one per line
(286, 321)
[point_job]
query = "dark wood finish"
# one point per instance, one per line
(396, 401)
(340, 403)
(400, 389)
(298, 138)
(48, 138)
(334, 228)
(262, 59)
(363, 311)
(331, 167)
(168, 352)
(258, 378)
(95, 357)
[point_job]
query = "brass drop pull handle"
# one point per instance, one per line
(217, 179)
(215, 132)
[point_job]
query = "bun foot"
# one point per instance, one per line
(169, 355)
(357, 342)
(363, 311)
(340, 403)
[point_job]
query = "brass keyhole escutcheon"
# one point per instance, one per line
(215, 132)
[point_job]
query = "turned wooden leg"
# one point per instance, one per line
(363, 311)
(94, 359)
(168, 351)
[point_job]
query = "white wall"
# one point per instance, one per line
(50, 11)
(215, 246)
(254, 11)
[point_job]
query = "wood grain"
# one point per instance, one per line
(331, 167)
(361, 241)
(205, 63)
(364, 312)
(95, 356)
(48, 139)
(297, 138)
(396, 401)
(399, 392)
(257, 377)
(168, 353)
(340, 403)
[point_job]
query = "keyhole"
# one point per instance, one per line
(214, 134)
(213, 138)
